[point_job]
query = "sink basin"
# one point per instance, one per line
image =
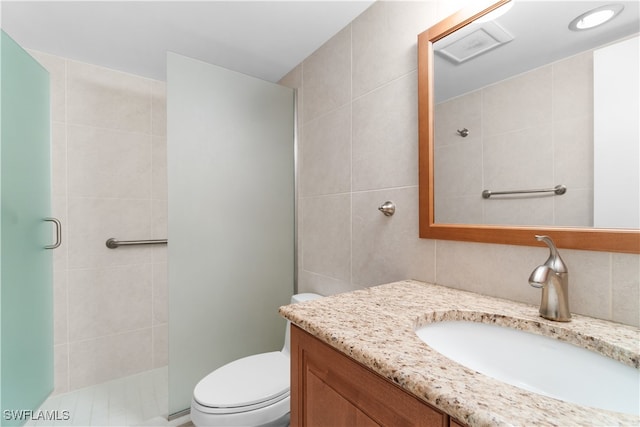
(537, 363)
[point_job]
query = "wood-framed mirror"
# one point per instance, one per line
(618, 239)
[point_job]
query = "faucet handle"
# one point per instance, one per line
(554, 261)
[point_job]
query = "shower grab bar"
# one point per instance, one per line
(558, 189)
(113, 243)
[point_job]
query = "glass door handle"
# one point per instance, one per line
(58, 242)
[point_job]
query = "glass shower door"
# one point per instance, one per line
(26, 266)
(231, 218)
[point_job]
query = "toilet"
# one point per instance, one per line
(252, 391)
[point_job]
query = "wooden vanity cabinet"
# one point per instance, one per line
(329, 389)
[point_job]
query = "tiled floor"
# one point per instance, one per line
(137, 400)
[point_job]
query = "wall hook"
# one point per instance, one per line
(464, 132)
(387, 208)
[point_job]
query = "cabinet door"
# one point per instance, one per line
(326, 407)
(330, 389)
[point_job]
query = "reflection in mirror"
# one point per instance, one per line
(530, 91)
(516, 106)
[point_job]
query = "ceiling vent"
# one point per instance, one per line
(469, 45)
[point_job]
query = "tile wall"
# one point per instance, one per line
(109, 180)
(534, 130)
(359, 147)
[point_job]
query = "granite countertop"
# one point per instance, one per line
(375, 326)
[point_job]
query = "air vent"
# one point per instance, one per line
(462, 48)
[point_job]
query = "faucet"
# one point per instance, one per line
(553, 278)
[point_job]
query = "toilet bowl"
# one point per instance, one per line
(252, 391)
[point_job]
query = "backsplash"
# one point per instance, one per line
(358, 148)
(108, 180)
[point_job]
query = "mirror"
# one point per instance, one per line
(474, 76)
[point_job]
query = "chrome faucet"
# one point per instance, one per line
(553, 278)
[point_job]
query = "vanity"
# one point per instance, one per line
(357, 360)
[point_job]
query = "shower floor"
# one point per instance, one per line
(136, 400)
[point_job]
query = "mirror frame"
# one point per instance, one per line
(594, 239)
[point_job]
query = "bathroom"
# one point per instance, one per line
(358, 130)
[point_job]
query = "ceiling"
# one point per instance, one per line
(264, 39)
(541, 35)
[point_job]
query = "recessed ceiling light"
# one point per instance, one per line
(595, 17)
(496, 13)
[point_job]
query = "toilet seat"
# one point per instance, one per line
(245, 384)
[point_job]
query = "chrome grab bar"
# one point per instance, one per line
(113, 243)
(58, 242)
(558, 189)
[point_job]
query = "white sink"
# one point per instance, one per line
(537, 363)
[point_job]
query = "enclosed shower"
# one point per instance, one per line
(219, 186)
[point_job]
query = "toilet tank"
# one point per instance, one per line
(296, 298)
(304, 297)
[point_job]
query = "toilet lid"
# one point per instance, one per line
(246, 382)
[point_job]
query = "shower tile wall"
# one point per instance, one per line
(534, 130)
(359, 147)
(109, 180)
